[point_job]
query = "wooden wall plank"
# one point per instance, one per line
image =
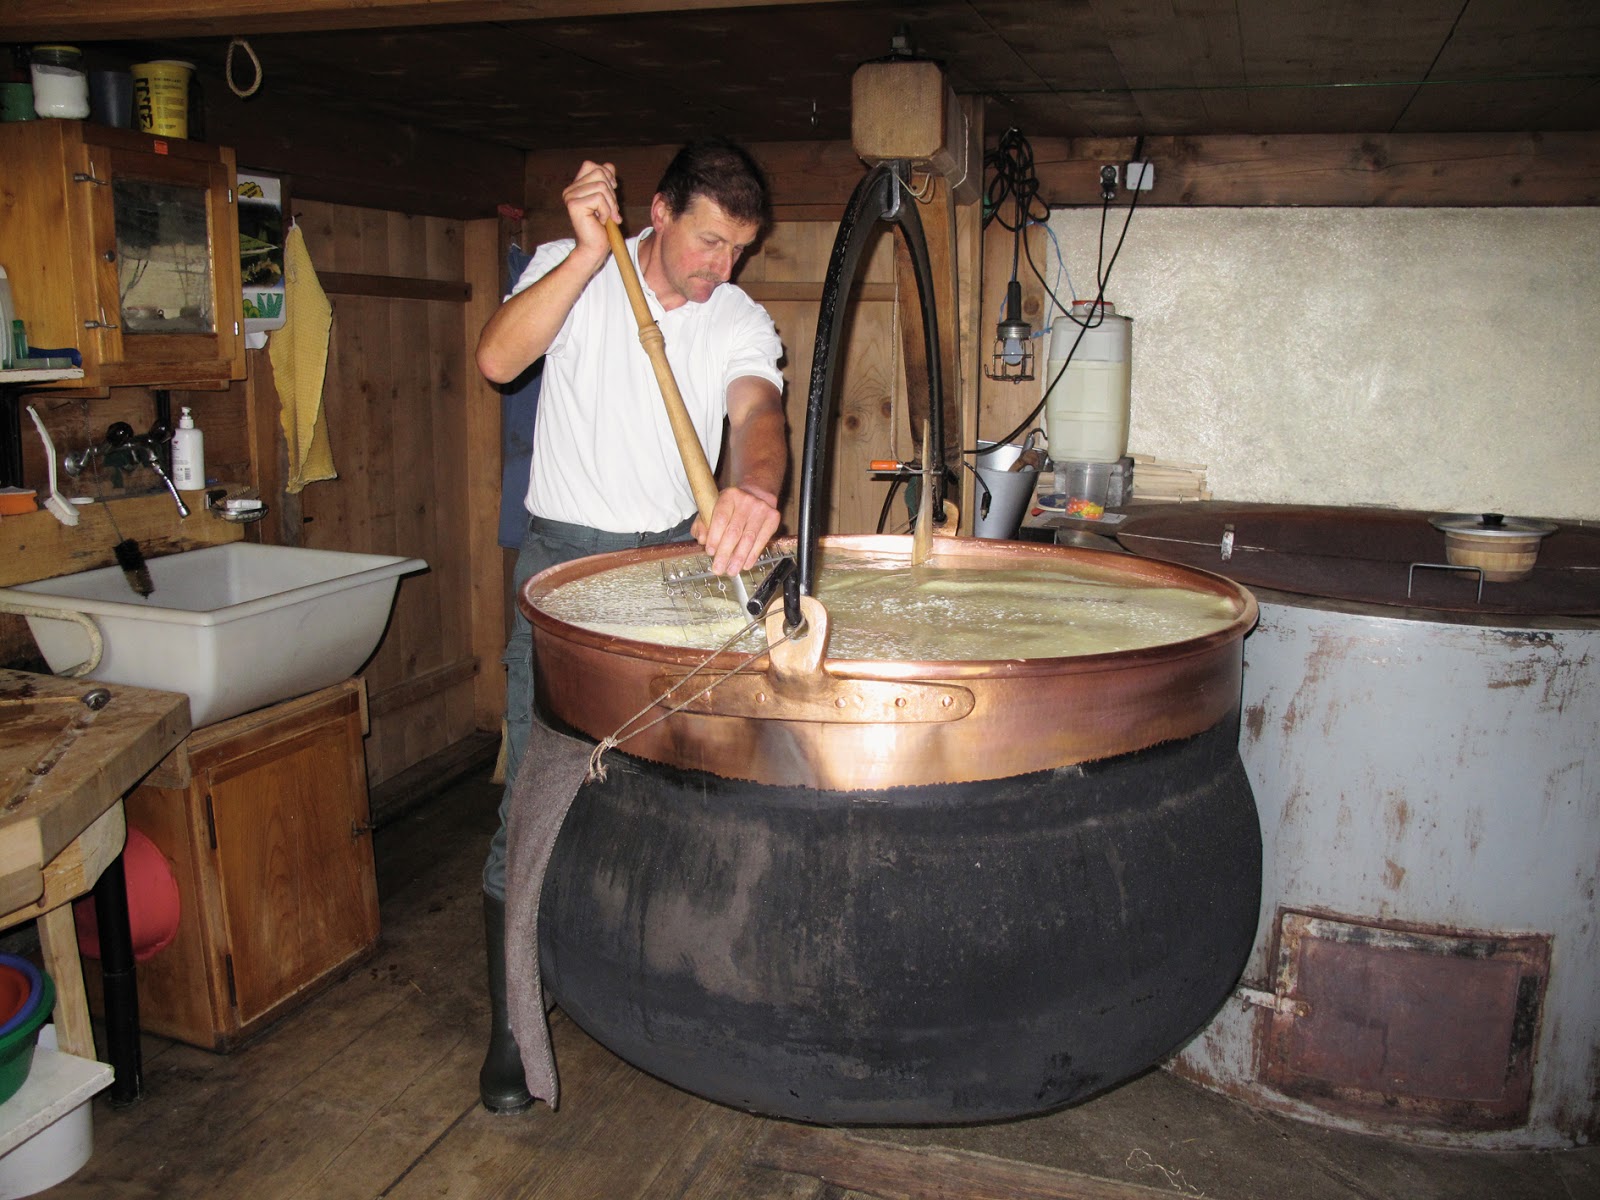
(269, 459)
(37, 546)
(480, 407)
(420, 686)
(394, 396)
(938, 215)
(1342, 170)
(810, 181)
(326, 519)
(895, 1172)
(411, 430)
(869, 400)
(444, 512)
(380, 379)
(396, 287)
(969, 316)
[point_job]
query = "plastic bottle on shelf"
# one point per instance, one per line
(188, 454)
(1086, 412)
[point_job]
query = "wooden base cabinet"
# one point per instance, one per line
(264, 820)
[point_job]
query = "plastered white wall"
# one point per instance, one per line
(1438, 359)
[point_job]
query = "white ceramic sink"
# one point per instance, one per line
(236, 626)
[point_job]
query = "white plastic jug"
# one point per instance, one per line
(1086, 412)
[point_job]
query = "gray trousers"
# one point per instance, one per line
(544, 545)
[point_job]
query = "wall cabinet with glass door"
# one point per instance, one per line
(124, 246)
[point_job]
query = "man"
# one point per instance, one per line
(606, 473)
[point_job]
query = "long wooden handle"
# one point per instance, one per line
(701, 481)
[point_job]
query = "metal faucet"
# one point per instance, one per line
(137, 449)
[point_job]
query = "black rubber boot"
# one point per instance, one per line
(501, 1085)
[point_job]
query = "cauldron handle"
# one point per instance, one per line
(876, 198)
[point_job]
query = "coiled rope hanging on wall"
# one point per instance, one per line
(242, 93)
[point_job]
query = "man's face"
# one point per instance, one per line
(698, 249)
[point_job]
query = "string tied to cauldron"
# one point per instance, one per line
(597, 769)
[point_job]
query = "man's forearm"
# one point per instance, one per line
(758, 448)
(523, 327)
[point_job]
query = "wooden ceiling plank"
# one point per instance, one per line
(1496, 38)
(1154, 50)
(1059, 45)
(582, 73)
(1341, 41)
(1510, 107)
(104, 20)
(961, 36)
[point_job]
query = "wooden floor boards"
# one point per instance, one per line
(371, 1091)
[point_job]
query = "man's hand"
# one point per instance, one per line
(591, 200)
(524, 326)
(742, 524)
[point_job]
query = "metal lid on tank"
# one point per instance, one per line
(1492, 525)
(1369, 555)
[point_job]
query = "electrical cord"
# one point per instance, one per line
(1097, 305)
(1014, 186)
(1014, 181)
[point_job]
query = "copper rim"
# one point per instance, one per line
(864, 725)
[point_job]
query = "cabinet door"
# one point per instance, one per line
(165, 261)
(294, 857)
(45, 196)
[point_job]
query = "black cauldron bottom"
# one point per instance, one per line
(917, 955)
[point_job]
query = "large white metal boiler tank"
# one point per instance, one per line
(1427, 960)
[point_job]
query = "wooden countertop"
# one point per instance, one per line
(63, 764)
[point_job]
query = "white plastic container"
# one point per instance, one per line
(47, 1128)
(60, 87)
(188, 453)
(1086, 412)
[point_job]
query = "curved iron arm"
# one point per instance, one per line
(878, 197)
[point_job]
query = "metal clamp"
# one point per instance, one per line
(1411, 573)
(1285, 1006)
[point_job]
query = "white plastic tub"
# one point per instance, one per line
(47, 1128)
(236, 627)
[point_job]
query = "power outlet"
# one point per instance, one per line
(1108, 181)
(1141, 176)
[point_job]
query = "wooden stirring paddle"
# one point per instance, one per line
(701, 481)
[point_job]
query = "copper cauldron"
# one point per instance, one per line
(902, 892)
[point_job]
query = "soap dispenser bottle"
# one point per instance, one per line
(188, 454)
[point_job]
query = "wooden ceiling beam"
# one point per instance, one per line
(1434, 170)
(110, 20)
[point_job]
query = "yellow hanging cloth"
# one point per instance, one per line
(299, 354)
